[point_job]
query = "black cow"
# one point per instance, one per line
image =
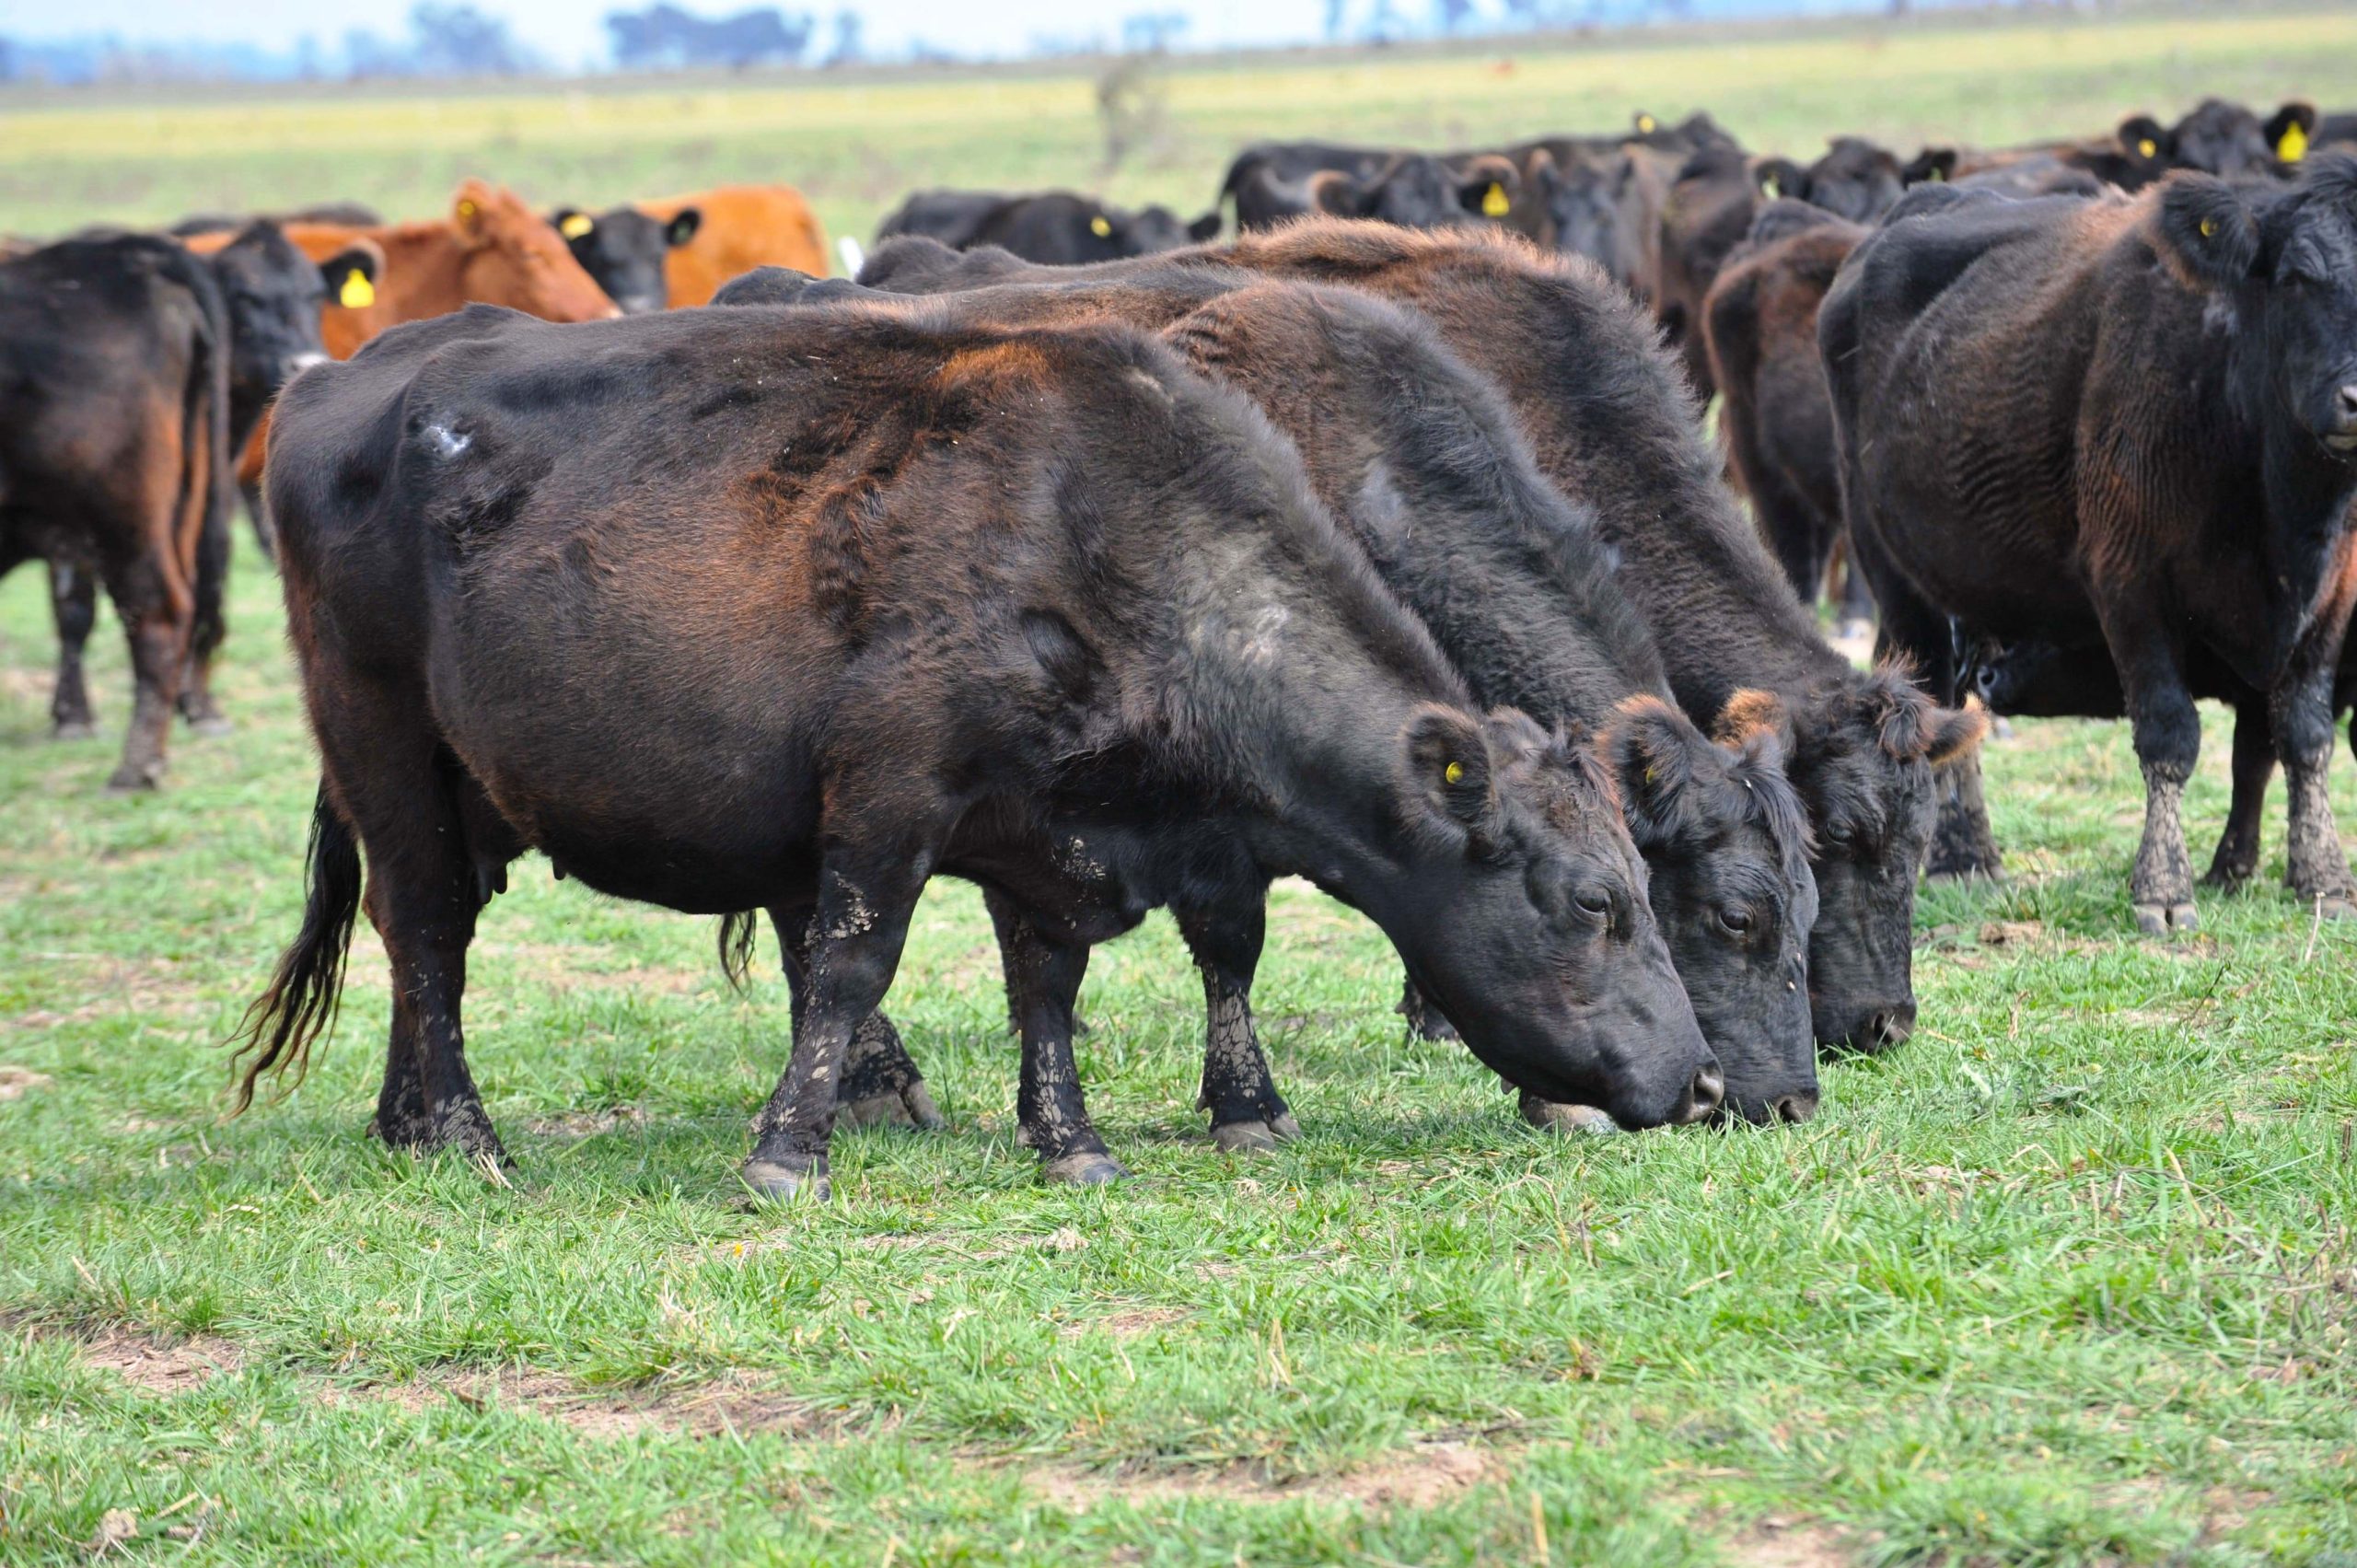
(2335, 130)
(2216, 137)
(2130, 419)
(1613, 425)
(1056, 228)
(624, 249)
(971, 593)
(1414, 190)
(272, 295)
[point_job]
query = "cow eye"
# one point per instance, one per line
(1595, 902)
(1737, 920)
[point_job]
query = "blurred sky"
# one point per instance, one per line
(573, 34)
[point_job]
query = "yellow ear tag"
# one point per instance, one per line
(1101, 227)
(2208, 229)
(2147, 148)
(574, 226)
(1646, 123)
(1495, 202)
(2294, 147)
(357, 293)
(1454, 773)
(466, 212)
(1771, 188)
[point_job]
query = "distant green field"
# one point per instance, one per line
(2070, 1281)
(857, 146)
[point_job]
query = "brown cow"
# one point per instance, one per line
(742, 226)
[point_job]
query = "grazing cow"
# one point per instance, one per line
(1710, 209)
(1612, 426)
(971, 593)
(738, 228)
(2136, 418)
(114, 411)
(626, 251)
(1516, 587)
(1057, 227)
(272, 295)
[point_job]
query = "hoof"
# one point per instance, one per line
(1082, 1170)
(771, 1181)
(1566, 1119)
(74, 729)
(2227, 878)
(134, 781)
(912, 1107)
(2159, 920)
(1260, 1135)
(212, 727)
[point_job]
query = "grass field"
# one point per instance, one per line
(2070, 1279)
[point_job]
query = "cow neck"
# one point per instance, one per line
(425, 265)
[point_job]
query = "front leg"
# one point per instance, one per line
(1043, 977)
(2301, 708)
(881, 1086)
(2238, 856)
(2168, 743)
(1246, 1111)
(853, 946)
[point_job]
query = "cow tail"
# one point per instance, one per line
(205, 428)
(737, 934)
(300, 1005)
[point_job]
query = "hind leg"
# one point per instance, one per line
(73, 600)
(2236, 859)
(1043, 988)
(156, 608)
(880, 1087)
(1962, 843)
(1239, 1092)
(2301, 709)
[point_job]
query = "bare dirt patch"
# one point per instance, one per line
(17, 1082)
(1423, 1477)
(1778, 1543)
(1127, 1324)
(706, 1410)
(587, 1124)
(157, 1366)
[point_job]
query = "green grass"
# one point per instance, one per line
(2068, 1280)
(857, 146)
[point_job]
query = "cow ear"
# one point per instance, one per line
(1752, 710)
(1933, 166)
(1488, 186)
(2145, 137)
(1449, 770)
(2289, 129)
(466, 216)
(1545, 176)
(1205, 228)
(572, 223)
(682, 226)
(1652, 750)
(351, 276)
(1776, 177)
(1955, 732)
(2208, 228)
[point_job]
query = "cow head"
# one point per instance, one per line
(1862, 754)
(1525, 919)
(1582, 200)
(1147, 230)
(1933, 166)
(1417, 191)
(1854, 180)
(2290, 131)
(274, 294)
(624, 249)
(2222, 138)
(1725, 840)
(509, 256)
(2281, 262)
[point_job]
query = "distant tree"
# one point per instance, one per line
(849, 39)
(1384, 23)
(1337, 14)
(664, 36)
(459, 41)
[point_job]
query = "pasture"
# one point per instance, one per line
(2070, 1278)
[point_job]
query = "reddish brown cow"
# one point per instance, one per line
(741, 227)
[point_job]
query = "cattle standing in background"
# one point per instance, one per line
(2133, 417)
(738, 228)
(352, 214)
(114, 411)
(2335, 130)
(1611, 423)
(1057, 227)
(1710, 210)
(962, 587)
(626, 251)
(2216, 137)
(491, 249)
(1519, 591)
(272, 295)
(1413, 190)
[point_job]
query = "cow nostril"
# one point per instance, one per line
(1702, 1096)
(1795, 1108)
(1890, 1027)
(2348, 402)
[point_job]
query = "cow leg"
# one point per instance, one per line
(880, 1087)
(1962, 843)
(866, 896)
(157, 609)
(2301, 709)
(265, 531)
(2167, 732)
(196, 703)
(1857, 613)
(1238, 1089)
(74, 599)
(1043, 987)
(2237, 857)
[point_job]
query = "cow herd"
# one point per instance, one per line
(1079, 553)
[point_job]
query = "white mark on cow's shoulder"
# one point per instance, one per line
(448, 443)
(1262, 649)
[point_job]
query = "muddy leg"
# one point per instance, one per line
(866, 896)
(880, 1087)
(1044, 981)
(156, 608)
(2237, 857)
(1246, 1111)
(1962, 843)
(73, 598)
(2301, 711)
(196, 703)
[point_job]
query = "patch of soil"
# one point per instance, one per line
(155, 1367)
(17, 1082)
(1774, 1543)
(587, 1124)
(1423, 1477)
(1126, 1324)
(706, 1410)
